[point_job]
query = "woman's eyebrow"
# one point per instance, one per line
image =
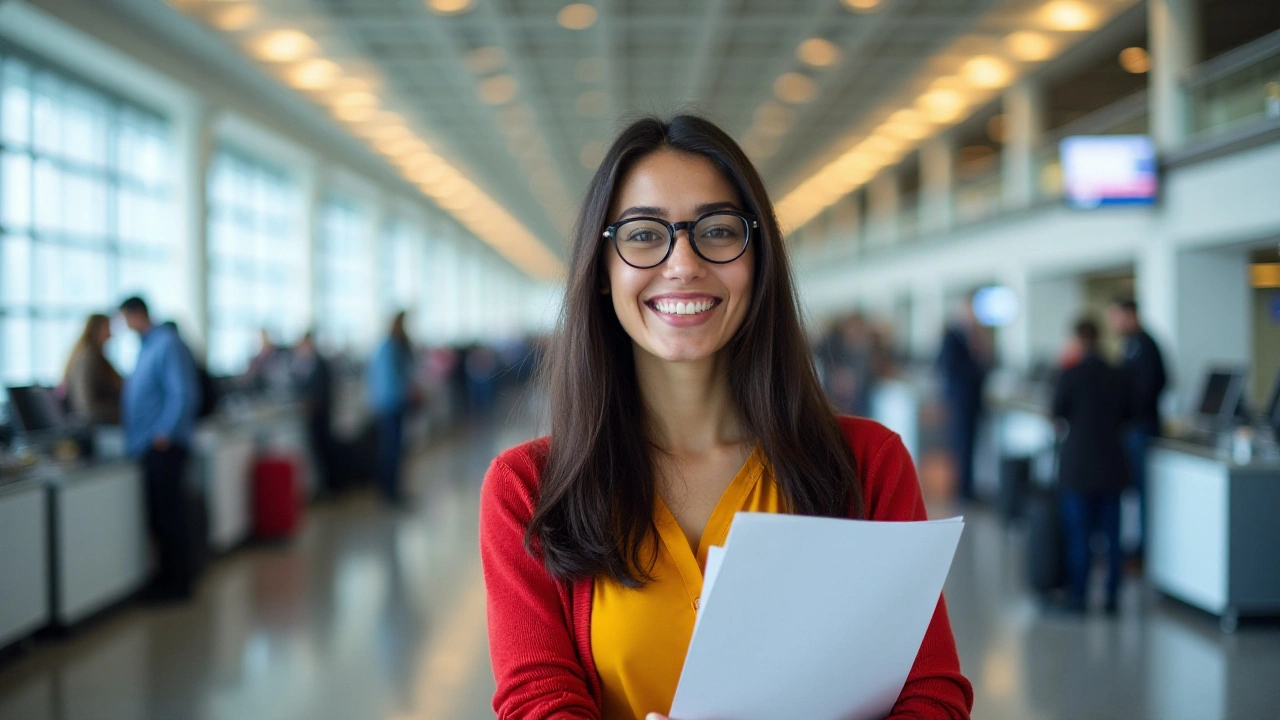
(643, 210)
(712, 207)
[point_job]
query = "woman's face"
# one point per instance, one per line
(678, 187)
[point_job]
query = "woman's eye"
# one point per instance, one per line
(642, 236)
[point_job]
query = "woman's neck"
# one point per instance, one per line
(690, 407)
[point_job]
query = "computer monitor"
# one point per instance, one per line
(1221, 399)
(35, 408)
(1272, 418)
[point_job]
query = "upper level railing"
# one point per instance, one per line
(1237, 88)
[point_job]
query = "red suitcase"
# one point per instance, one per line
(276, 496)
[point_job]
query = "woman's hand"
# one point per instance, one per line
(656, 716)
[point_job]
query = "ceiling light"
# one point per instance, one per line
(1135, 60)
(591, 103)
(354, 113)
(794, 88)
(450, 7)
(986, 71)
(236, 17)
(862, 5)
(394, 146)
(355, 98)
(577, 16)
(941, 105)
(1068, 15)
(314, 74)
(906, 131)
(498, 90)
(818, 52)
(1029, 46)
(284, 46)
(485, 60)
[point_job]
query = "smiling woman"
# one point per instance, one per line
(681, 391)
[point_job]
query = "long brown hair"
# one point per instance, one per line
(88, 340)
(595, 508)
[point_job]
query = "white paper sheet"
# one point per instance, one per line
(814, 618)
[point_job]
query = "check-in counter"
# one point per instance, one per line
(1214, 530)
(24, 558)
(99, 549)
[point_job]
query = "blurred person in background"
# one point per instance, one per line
(849, 357)
(1144, 365)
(91, 384)
(964, 362)
(314, 382)
(269, 369)
(481, 367)
(160, 403)
(1093, 399)
(391, 393)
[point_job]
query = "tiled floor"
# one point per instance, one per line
(379, 615)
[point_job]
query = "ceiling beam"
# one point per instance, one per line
(708, 51)
(535, 95)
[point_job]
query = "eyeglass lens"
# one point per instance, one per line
(718, 238)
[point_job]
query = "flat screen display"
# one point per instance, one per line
(35, 408)
(1101, 170)
(1221, 395)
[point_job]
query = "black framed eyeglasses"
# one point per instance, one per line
(718, 237)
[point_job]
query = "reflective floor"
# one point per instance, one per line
(374, 614)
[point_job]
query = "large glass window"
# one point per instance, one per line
(401, 259)
(85, 215)
(347, 316)
(257, 270)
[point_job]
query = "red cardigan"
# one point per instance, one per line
(540, 628)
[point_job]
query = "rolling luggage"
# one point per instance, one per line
(277, 502)
(1046, 545)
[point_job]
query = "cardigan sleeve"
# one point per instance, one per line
(535, 665)
(935, 688)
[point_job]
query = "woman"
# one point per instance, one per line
(681, 391)
(91, 384)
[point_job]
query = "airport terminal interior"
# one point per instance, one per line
(336, 236)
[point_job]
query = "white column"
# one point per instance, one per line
(1013, 341)
(882, 208)
(1172, 28)
(193, 150)
(937, 176)
(311, 188)
(1023, 122)
(1052, 306)
(1197, 306)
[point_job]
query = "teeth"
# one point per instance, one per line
(684, 308)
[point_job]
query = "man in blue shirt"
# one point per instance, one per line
(159, 406)
(391, 392)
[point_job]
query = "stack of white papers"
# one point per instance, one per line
(815, 618)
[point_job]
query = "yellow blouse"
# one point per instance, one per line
(639, 637)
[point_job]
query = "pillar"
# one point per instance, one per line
(1172, 28)
(937, 178)
(1023, 123)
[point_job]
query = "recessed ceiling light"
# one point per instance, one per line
(577, 16)
(986, 71)
(354, 113)
(942, 105)
(862, 5)
(498, 90)
(314, 74)
(450, 7)
(485, 60)
(284, 46)
(235, 17)
(818, 52)
(772, 117)
(1135, 60)
(1029, 46)
(1068, 15)
(794, 88)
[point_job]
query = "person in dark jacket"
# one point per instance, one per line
(964, 362)
(1145, 368)
(314, 383)
(1094, 400)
